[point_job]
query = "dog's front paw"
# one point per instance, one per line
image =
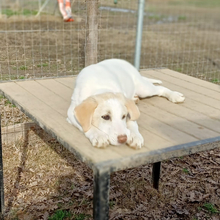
(176, 97)
(135, 140)
(98, 139)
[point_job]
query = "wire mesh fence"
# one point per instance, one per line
(35, 42)
(183, 36)
(180, 35)
(41, 45)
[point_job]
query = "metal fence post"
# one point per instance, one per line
(1, 175)
(139, 33)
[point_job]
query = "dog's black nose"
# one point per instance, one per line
(122, 139)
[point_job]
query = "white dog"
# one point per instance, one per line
(102, 104)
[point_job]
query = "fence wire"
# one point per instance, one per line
(34, 46)
(35, 42)
(181, 35)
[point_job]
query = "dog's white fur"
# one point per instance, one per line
(102, 107)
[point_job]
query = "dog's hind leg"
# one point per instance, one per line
(155, 81)
(147, 89)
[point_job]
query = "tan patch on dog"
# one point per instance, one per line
(84, 112)
(130, 104)
(132, 109)
(136, 99)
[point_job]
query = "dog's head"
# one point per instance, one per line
(109, 113)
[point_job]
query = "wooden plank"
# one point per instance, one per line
(151, 140)
(159, 155)
(191, 93)
(194, 105)
(190, 115)
(66, 81)
(57, 88)
(175, 121)
(45, 95)
(191, 79)
(162, 130)
(186, 84)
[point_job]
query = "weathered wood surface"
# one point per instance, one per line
(169, 129)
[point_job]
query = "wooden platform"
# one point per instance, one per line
(169, 130)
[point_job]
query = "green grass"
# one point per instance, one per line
(81, 217)
(196, 3)
(185, 170)
(23, 67)
(7, 102)
(9, 12)
(181, 18)
(111, 204)
(178, 69)
(60, 215)
(210, 208)
(215, 81)
(43, 64)
(25, 12)
(63, 214)
(22, 77)
(157, 17)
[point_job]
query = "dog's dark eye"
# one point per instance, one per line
(106, 117)
(123, 116)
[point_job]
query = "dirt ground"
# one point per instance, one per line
(42, 178)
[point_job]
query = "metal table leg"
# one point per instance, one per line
(156, 174)
(101, 195)
(1, 175)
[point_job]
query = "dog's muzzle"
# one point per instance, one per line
(122, 139)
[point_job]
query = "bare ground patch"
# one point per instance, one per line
(41, 177)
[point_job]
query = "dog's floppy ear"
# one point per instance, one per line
(84, 113)
(131, 106)
(132, 109)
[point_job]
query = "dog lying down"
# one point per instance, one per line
(103, 102)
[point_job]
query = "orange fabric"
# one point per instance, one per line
(69, 20)
(67, 4)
